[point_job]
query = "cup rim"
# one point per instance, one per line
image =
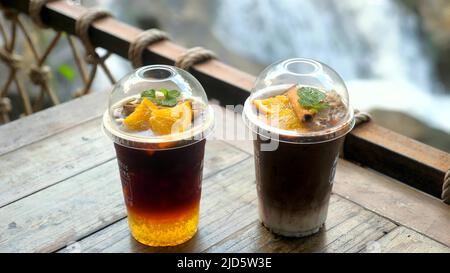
(259, 127)
(189, 137)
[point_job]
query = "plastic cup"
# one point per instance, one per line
(295, 168)
(161, 175)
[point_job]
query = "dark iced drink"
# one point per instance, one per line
(298, 132)
(294, 185)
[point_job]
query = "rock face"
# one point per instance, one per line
(435, 15)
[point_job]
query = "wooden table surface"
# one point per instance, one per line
(60, 192)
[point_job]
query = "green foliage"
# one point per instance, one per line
(67, 72)
(312, 98)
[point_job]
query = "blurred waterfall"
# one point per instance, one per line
(372, 44)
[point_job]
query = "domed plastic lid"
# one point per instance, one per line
(158, 107)
(299, 101)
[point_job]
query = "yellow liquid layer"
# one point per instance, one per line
(153, 231)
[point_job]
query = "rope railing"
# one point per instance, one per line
(141, 42)
(40, 74)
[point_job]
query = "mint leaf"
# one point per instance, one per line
(170, 97)
(169, 102)
(164, 91)
(312, 98)
(148, 93)
(173, 94)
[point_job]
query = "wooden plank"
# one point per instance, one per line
(66, 154)
(355, 233)
(348, 228)
(394, 200)
(43, 124)
(229, 223)
(230, 128)
(80, 205)
(382, 194)
(54, 159)
(47, 220)
(228, 203)
(400, 151)
(410, 161)
(405, 240)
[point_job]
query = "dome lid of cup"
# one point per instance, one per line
(174, 85)
(314, 86)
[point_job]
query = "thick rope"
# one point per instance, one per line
(35, 10)
(12, 60)
(5, 108)
(142, 41)
(40, 75)
(361, 117)
(82, 26)
(5, 105)
(10, 14)
(446, 188)
(194, 56)
(82, 31)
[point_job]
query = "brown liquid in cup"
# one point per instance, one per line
(294, 181)
(294, 185)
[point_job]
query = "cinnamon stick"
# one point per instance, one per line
(303, 114)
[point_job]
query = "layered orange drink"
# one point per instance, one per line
(159, 134)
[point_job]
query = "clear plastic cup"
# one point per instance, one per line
(296, 150)
(161, 174)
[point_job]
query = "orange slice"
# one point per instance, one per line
(272, 105)
(172, 120)
(278, 112)
(286, 119)
(138, 120)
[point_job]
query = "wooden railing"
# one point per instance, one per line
(407, 160)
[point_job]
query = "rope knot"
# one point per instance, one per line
(142, 41)
(5, 105)
(78, 93)
(446, 188)
(83, 24)
(35, 9)
(194, 56)
(92, 58)
(10, 14)
(14, 61)
(40, 75)
(362, 117)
